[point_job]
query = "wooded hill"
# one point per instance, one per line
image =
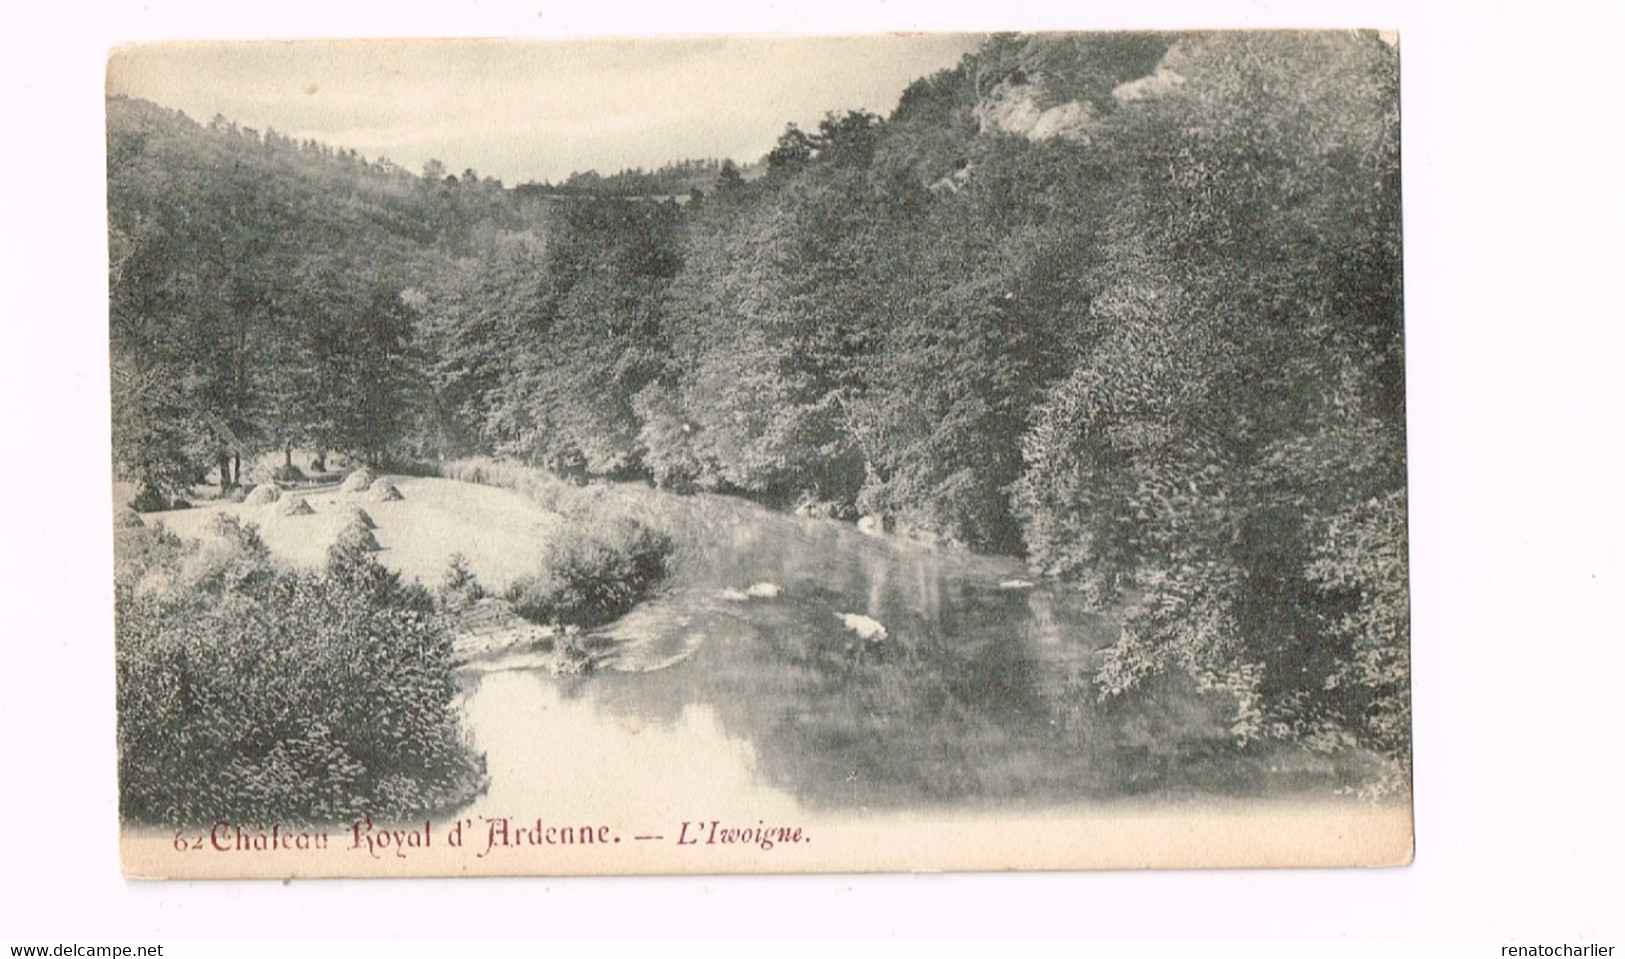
(1128, 305)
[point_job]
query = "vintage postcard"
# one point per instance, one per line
(735, 455)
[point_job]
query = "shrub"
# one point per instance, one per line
(595, 575)
(618, 547)
(150, 500)
(144, 554)
(288, 474)
(278, 696)
(459, 586)
(231, 559)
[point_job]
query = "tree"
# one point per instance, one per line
(768, 323)
(347, 363)
(847, 140)
(729, 180)
(1241, 410)
(545, 349)
(793, 151)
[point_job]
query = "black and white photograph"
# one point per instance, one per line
(501, 471)
(759, 454)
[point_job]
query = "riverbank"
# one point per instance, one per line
(855, 671)
(850, 671)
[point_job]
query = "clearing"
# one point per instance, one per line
(499, 532)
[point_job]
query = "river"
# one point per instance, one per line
(786, 696)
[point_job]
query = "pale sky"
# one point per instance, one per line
(524, 110)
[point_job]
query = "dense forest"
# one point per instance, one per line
(1125, 305)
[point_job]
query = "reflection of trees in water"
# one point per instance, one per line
(924, 715)
(977, 695)
(951, 705)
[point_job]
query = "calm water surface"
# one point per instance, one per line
(977, 696)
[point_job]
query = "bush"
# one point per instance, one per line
(255, 694)
(592, 576)
(617, 549)
(150, 500)
(288, 474)
(459, 586)
(144, 554)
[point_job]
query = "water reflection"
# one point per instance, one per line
(978, 694)
(550, 747)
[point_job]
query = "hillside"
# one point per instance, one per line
(1125, 305)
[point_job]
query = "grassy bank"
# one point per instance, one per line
(615, 549)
